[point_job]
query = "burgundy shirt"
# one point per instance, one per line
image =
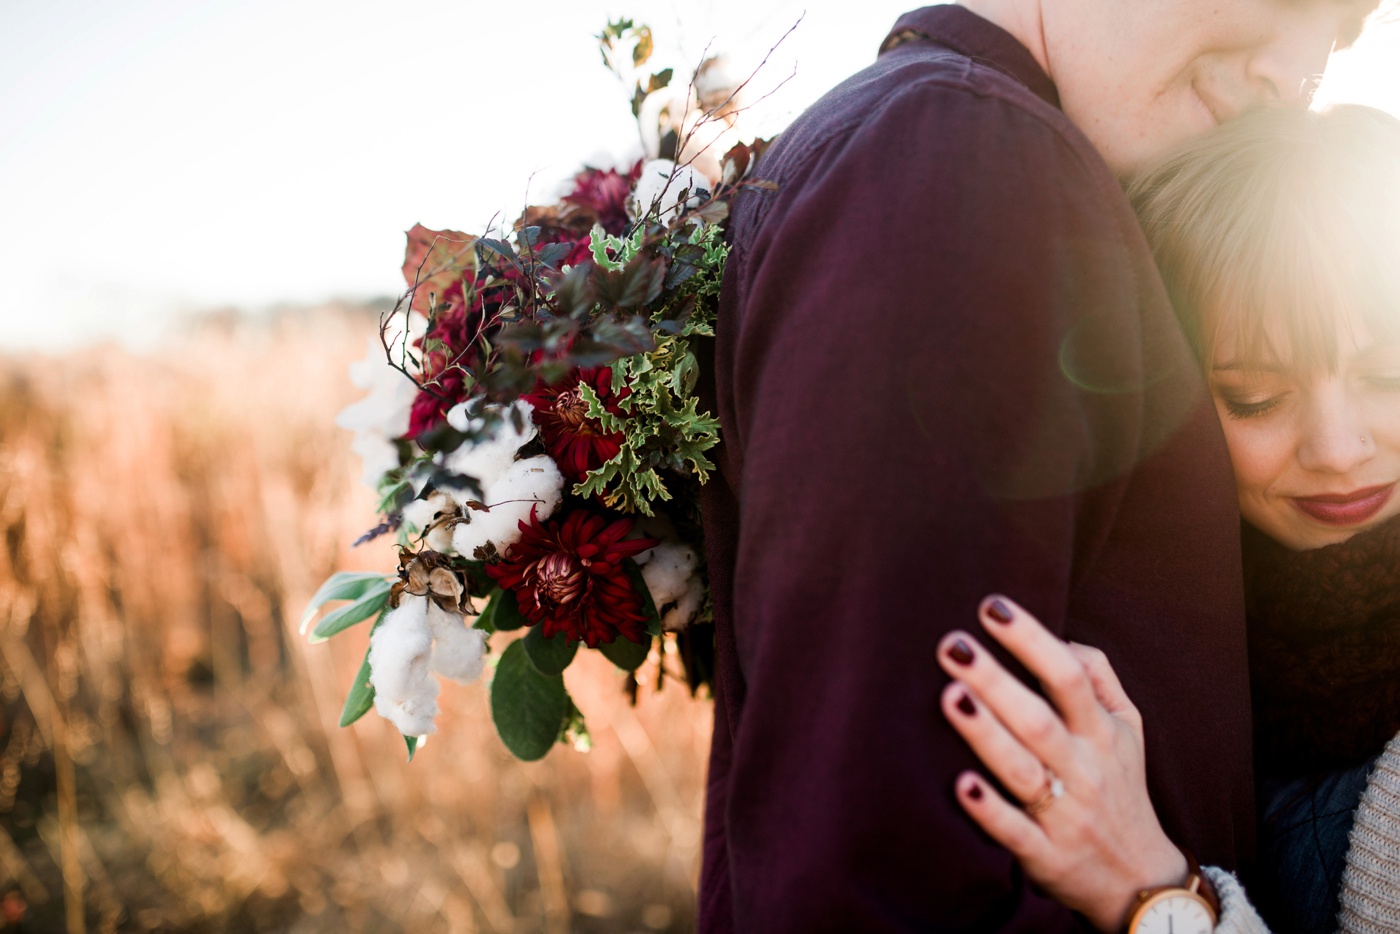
(947, 367)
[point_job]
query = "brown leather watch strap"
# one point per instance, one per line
(1206, 890)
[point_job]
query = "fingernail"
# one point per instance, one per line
(975, 792)
(1000, 612)
(966, 705)
(960, 652)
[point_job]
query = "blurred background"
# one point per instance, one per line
(201, 217)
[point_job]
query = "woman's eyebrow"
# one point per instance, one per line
(1240, 366)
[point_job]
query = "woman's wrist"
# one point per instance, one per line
(1163, 864)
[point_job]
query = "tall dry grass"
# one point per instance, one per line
(169, 754)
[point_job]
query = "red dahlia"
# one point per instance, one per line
(568, 577)
(574, 441)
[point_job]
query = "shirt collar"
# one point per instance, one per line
(966, 33)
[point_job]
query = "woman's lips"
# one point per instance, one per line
(1345, 508)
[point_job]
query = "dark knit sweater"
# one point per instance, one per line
(1324, 647)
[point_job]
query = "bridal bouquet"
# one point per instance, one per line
(533, 432)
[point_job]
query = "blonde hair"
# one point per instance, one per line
(1275, 227)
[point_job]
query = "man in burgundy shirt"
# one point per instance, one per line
(947, 367)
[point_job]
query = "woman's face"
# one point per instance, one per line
(1317, 456)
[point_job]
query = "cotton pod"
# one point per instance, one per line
(531, 484)
(485, 460)
(458, 650)
(379, 417)
(429, 514)
(670, 571)
(660, 187)
(400, 652)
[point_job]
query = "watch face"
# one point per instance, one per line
(1174, 914)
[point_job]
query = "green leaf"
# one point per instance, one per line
(344, 585)
(395, 497)
(360, 610)
(361, 697)
(502, 613)
(549, 656)
(626, 654)
(634, 574)
(528, 708)
(412, 743)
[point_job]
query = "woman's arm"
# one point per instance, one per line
(1084, 828)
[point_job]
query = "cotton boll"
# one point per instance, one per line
(534, 483)
(381, 416)
(668, 571)
(683, 613)
(378, 455)
(659, 190)
(675, 588)
(428, 514)
(405, 692)
(489, 458)
(658, 527)
(421, 513)
(457, 649)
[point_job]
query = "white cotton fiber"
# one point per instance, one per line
(379, 417)
(457, 649)
(488, 459)
(659, 190)
(423, 513)
(669, 572)
(686, 608)
(405, 692)
(531, 483)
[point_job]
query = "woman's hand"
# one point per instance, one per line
(1082, 824)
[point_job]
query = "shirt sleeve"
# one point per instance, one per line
(938, 395)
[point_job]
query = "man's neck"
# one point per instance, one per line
(1021, 18)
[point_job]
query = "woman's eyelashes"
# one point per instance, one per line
(1238, 409)
(1242, 402)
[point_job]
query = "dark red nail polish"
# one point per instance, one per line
(960, 652)
(966, 705)
(999, 612)
(975, 792)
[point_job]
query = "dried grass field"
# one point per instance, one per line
(169, 754)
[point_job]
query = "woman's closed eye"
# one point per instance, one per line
(1242, 405)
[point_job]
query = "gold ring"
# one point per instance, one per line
(1054, 790)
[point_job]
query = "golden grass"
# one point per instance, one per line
(169, 754)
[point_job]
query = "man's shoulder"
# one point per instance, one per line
(923, 94)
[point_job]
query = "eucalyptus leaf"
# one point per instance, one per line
(344, 585)
(412, 743)
(360, 610)
(626, 654)
(528, 708)
(549, 656)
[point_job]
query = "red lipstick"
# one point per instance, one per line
(1345, 509)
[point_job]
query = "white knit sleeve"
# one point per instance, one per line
(1237, 915)
(1370, 897)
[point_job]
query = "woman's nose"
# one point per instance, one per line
(1335, 436)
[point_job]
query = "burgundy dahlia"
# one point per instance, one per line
(601, 196)
(574, 441)
(568, 577)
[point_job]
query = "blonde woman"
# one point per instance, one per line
(1279, 238)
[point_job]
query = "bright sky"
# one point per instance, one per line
(162, 155)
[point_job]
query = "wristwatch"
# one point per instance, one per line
(1190, 908)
